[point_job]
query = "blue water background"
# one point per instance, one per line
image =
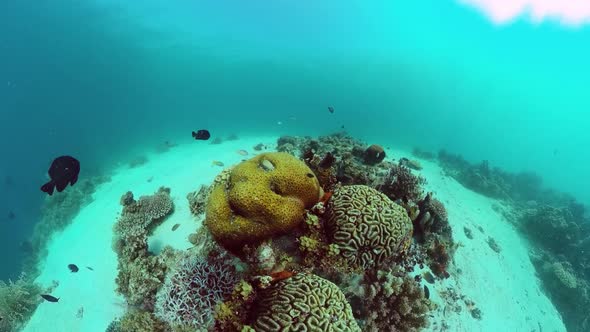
(103, 80)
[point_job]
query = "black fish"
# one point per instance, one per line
(328, 161)
(331, 109)
(89, 268)
(426, 292)
(202, 134)
(64, 170)
(73, 267)
(49, 298)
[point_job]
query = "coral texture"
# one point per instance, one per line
(138, 321)
(304, 302)
(198, 200)
(367, 227)
(263, 197)
(400, 183)
(140, 273)
(18, 301)
(192, 290)
(394, 301)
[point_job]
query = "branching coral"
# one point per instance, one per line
(394, 301)
(401, 184)
(192, 290)
(138, 321)
(197, 200)
(140, 272)
(304, 302)
(367, 227)
(18, 301)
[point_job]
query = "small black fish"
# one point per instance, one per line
(89, 268)
(175, 227)
(202, 134)
(73, 268)
(64, 170)
(328, 161)
(426, 292)
(49, 298)
(331, 109)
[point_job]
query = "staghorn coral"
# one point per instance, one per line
(18, 301)
(304, 302)
(394, 301)
(367, 227)
(401, 184)
(192, 290)
(264, 196)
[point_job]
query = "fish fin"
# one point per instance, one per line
(60, 186)
(48, 188)
(74, 180)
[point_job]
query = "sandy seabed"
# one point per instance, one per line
(503, 285)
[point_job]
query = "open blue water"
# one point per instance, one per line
(102, 79)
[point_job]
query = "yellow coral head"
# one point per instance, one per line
(263, 197)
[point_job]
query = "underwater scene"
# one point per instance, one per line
(200, 165)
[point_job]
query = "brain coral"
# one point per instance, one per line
(263, 196)
(366, 225)
(304, 302)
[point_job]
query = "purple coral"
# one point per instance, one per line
(192, 290)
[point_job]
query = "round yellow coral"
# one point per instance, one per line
(264, 196)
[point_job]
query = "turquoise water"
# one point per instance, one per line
(102, 79)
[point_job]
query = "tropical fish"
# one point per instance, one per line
(201, 134)
(49, 298)
(175, 227)
(428, 277)
(64, 170)
(89, 268)
(426, 292)
(331, 109)
(242, 152)
(73, 268)
(217, 163)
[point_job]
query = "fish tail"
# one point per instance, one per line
(48, 188)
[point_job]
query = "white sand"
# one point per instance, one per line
(502, 285)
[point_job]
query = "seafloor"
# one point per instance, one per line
(489, 287)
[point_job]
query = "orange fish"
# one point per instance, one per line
(217, 163)
(282, 275)
(326, 197)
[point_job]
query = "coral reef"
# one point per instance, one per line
(348, 153)
(192, 290)
(18, 301)
(401, 184)
(304, 302)
(552, 228)
(264, 196)
(197, 200)
(138, 321)
(366, 226)
(140, 273)
(394, 301)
